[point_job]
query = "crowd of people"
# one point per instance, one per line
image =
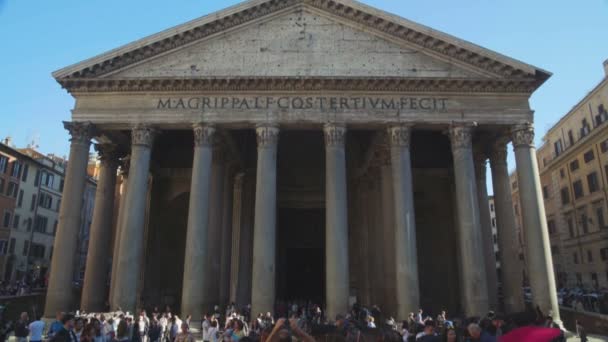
(304, 322)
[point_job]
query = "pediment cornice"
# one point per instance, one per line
(379, 84)
(427, 39)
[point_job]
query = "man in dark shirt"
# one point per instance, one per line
(66, 334)
(429, 333)
(21, 330)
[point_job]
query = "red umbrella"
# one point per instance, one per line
(531, 334)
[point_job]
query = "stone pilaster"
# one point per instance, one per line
(510, 265)
(336, 226)
(98, 257)
(59, 293)
(132, 232)
(474, 284)
(404, 238)
(489, 256)
(538, 246)
(197, 273)
(264, 235)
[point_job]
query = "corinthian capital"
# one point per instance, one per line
(108, 154)
(461, 136)
(400, 135)
(142, 136)
(335, 135)
(204, 135)
(267, 135)
(523, 135)
(81, 132)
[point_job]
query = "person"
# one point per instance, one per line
(154, 332)
(205, 324)
(184, 335)
(66, 333)
(212, 331)
(284, 330)
(405, 331)
(450, 335)
(419, 317)
(21, 328)
(56, 325)
(477, 334)
(88, 333)
(98, 335)
(580, 331)
(122, 331)
(370, 322)
(237, 330)
(78, 328)
(428, 334)
(36, 328)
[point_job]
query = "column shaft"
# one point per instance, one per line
(538, 246)
(336, 226)
(59, 293)
(264, 239)
(489, 255)
(474, 285)
(118, 228)
(96, 272)
(132, 233)
(196, 272)
(216, 203)
(510, 265)
(226, 237)
(406, 257)
(236, 236)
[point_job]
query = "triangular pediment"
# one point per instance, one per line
(299, 43)
(301, 38)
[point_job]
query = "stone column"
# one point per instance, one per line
(216, 204)
(237, 205)
(96, 272)
(132, 231)
(226, 245)
(336, 226)
(59, 293)
(196, 273)
(510, 265)
(538, 246)
(472, 268)
(489, 255)
(264, 231)
(406, 257)
(124, 170)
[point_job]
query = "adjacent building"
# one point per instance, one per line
(573, 165)
(30, 203)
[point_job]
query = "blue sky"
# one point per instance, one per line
(568, 38)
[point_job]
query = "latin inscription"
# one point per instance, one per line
(320, 103)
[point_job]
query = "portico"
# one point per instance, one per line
(368, 123)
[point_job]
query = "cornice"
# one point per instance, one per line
(396, 84)
(428, 39)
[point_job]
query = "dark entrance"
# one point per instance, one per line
(301, 255)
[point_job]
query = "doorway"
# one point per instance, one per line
(301, 255)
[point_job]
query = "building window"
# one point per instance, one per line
(40, 223)
(12, 190)
(6, 220)
(26, 247)
(585, 223)
(16, 220)
(48, 179)
(3, 164)
(551, 227)
(20, 200)
(45, 201)
(574, 165)
(55, 227)
(575, 258)
(571, 226)
(37, 251)
(579, 279)
(589, 256)
(2, 182)
(562, 173)
(33, 203)
(604, 254)
(589, 156)
(494, 222)
(11, 246)
(604, 146)
(578, 189)
(593, 182)
(565, 196)
(516, 210)
(559, 148)
(585, 129)
(26, 169)
(3, 247)
(571, 137)
(545, 192)
(16, 173)
(599, 212)
(492, 207)
(495, 238)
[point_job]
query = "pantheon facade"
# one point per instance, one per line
(302, 149)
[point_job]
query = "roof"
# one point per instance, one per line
(426, 38)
